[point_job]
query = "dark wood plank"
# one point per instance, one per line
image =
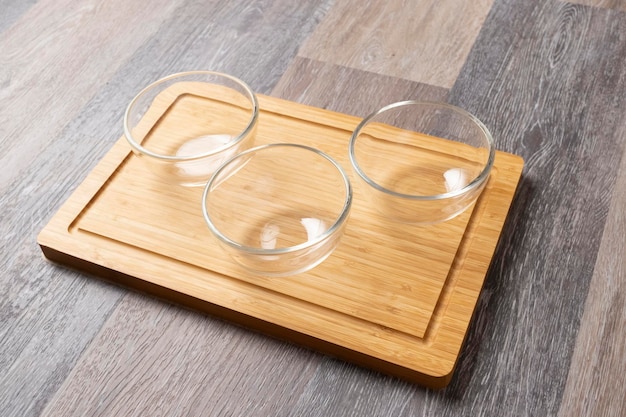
(596, 380)
(158, 359)
(548, 79)
(48, 316)
(607, 4)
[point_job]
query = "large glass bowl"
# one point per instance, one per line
(278, 209)
(421, 162)
(186, 125)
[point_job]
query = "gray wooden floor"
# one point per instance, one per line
(547, 77)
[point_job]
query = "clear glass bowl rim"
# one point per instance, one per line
(480, 178)
(137, 146)
(341, 219)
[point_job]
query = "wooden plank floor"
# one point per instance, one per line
(424, 40)
(548, 77)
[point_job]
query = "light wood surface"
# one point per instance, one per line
(547, 77)
(412, 314)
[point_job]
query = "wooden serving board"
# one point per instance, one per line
(392, 297)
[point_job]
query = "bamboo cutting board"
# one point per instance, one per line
(392, 297)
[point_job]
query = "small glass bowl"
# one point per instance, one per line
(278, 209)
(186, 125)
(421, 162)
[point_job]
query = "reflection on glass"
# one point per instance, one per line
(202, 144)
(455, 179)
(270, 233)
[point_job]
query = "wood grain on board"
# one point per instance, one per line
(375, 309)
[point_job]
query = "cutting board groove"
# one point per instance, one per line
(393, 297)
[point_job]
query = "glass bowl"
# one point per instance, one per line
(421, 162)
(186, 125)
(278, 209)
